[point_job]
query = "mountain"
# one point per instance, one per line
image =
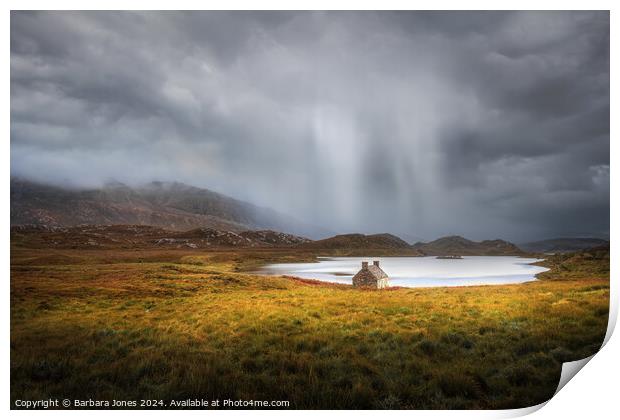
(140, 236)
(563, 244)
(457, 245)
(173, 206)
(358, 241)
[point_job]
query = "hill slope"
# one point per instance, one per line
(358, 242)
(457, 245)
(173, 206)
(140, 236)
(563, 244)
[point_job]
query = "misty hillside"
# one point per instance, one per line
(457, 245)
(563, 244)
(173, 206)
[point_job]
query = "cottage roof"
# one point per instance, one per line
(375, 271)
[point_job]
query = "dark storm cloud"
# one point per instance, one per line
(486, 124)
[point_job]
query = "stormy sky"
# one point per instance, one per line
(423, 124)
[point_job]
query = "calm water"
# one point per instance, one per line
(418, 271)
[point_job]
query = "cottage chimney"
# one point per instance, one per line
(364, 264)
(376, 262)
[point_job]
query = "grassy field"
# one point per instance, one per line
(158, 324)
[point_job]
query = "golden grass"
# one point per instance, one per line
(188, 324)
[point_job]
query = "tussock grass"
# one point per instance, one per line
(174, 325)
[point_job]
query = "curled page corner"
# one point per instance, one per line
(570, 369)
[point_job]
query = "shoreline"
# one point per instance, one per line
(314, 280)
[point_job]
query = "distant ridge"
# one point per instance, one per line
(457, 245)
(140, 236)
(358, 241)
(169, 205)
(563, 244)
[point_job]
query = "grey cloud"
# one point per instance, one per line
(486, 124)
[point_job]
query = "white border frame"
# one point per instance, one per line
(592, 394)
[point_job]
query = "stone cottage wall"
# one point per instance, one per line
(366, 279)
